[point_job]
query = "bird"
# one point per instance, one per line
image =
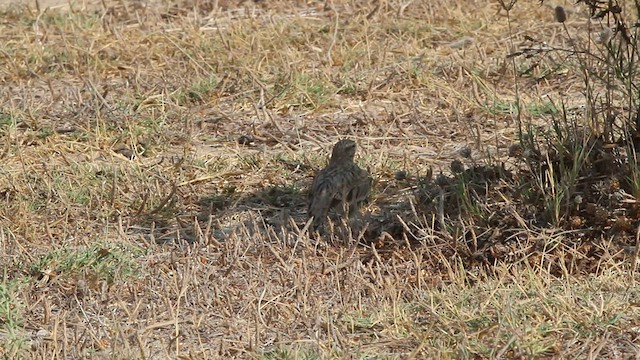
(341, 185)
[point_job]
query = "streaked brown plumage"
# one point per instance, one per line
(342, 184)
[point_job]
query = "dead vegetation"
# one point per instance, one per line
(155, 159)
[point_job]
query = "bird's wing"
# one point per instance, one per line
(360, 186)
(322, 194)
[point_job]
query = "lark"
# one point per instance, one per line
(342, 185)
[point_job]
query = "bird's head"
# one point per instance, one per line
(343, 150)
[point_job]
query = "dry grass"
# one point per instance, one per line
(135, 224)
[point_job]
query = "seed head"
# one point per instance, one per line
(401, 175)
(457, 167)
(465, 152)
(560, 14)
(516, 150)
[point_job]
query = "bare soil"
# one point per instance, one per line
(155, 159)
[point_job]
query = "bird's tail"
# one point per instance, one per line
(319, 206)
